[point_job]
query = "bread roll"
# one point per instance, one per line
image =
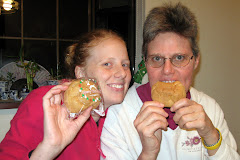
(81, 94)
(168, 93)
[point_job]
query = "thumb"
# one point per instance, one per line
(82, 118)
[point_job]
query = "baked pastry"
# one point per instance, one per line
(81, 94)
(168, 93)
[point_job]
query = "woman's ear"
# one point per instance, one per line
(197, 61)
(79, 72)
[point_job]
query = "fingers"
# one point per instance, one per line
(151, 116)
(62, 93)
(149, 107)
(193, 120)
(190, 115)
(182, 103)
(53, 95)
(186, 111)
(62, 81)
(66, 83)
(152, 103)
(82, 118)
(150, 124)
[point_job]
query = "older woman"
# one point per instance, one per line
(194, 127)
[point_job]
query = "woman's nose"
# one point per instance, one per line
(120, 72)
(168, 67)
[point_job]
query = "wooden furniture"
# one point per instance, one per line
(9, 104)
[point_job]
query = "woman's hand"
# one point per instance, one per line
(59, 129)
(191, 115)
(150, 122)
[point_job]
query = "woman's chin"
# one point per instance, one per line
(114, 101)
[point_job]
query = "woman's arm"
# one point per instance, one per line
(59, 129)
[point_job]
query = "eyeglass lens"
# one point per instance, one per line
(177, 60)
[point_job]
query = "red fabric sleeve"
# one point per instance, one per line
(26, 127)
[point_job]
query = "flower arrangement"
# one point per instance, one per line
(30, 68)
(2, 78)
(10, 77)
(6, 82)
(55, 75)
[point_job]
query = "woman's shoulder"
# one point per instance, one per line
(209, 104)
(40, 90)
(130, 105)
(200, 96)
(34, 99)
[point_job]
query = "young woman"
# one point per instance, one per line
(41, 127)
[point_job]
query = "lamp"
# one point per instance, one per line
(8, 6)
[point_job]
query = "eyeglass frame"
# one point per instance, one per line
(189, 58)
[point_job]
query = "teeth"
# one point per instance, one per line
(117, 86)
(168, 81)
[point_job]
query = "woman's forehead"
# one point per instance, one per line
(169, 43)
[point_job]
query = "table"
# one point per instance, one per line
(9, 104)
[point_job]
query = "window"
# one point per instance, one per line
(44, 28)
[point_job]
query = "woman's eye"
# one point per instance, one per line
(180, 57)
(157, 58)
(107, 64)
(126, 65)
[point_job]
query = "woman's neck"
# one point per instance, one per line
(95, 116)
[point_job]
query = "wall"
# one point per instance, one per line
(6, 116)
(218, 72)
(219, 45)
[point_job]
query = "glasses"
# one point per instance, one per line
(178, 60)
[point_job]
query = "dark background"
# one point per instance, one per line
(42, 20)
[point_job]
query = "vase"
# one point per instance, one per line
(29, 82)
(3, 86)
(52, 82)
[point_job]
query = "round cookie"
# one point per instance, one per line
(168, 93)
(81, 94)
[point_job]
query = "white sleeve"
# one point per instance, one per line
(113, 142)
(228, 148)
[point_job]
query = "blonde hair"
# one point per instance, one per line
(78, 53)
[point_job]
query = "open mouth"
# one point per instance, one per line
(116, 86)
(168, 81)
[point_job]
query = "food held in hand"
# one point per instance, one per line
(81, 94)
(168, 93)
